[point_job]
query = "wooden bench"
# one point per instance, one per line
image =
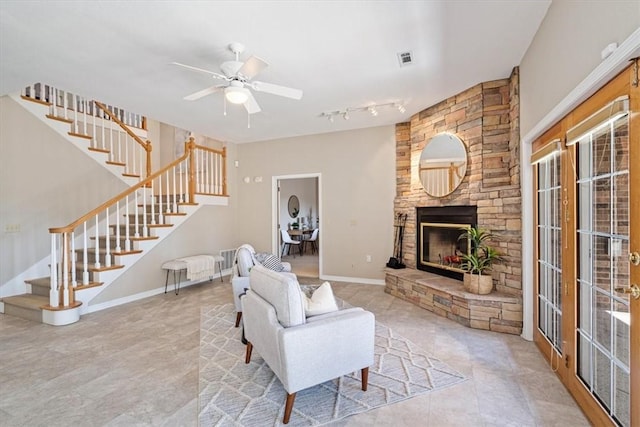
(204, 264)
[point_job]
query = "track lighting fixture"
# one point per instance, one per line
(374, 110)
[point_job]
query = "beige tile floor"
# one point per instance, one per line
(137, 365)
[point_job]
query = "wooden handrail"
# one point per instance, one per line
(117, 198)
(146, 145)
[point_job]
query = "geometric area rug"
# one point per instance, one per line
(232, 393)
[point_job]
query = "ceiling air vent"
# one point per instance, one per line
(405, 58)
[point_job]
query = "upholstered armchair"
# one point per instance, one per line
(303, 351)
(244, 260)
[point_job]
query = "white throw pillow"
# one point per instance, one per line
(321, 301)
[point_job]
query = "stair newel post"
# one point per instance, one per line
(127, 240)
(85, 257)
(224, 171)
(54, 299)
(107, 241)
(192, 175)
(118, 248)
(96, 264)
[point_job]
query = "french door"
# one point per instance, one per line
(587, 264)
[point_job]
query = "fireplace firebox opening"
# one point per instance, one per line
(439, 247)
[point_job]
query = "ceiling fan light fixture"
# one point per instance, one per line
(236, 95)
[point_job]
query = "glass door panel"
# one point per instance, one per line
(603, 247)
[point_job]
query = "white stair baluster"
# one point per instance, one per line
(74, 259)
(153, 205)
(136, 233)
(96, 264)
(145, 230)
(160, 197)
(118, 248)
(102, 114)
(107, 243)
(53, 278)
(65, 104)
(84, 116)
(85, 257)
(127, 222)
(75, 100)
(175, 194)
(168, 199)
(65, 266)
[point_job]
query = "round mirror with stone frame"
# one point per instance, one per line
(443, 164)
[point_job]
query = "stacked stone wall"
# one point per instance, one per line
(486, 118)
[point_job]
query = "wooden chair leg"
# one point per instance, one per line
(365, 378)
(288, 407)
(238, 317)
(247, 357)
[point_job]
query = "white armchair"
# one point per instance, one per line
(243, 262)
(303, 352)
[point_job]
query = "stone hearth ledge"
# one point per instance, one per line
(497, 311)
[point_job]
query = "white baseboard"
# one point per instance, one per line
(360, 280)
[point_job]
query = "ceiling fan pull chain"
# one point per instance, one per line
(224, 100)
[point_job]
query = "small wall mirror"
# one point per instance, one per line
(443, 164)
(293, 206)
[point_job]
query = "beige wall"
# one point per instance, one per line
(357, 190)
(567, 48)
(44, 182)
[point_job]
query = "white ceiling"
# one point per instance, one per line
(339, 53)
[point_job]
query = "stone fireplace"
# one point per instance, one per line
(437, 238)
(486, 118)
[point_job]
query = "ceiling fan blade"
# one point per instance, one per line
(202, 93)
(251, 104)
(277, 90)
(252, 67)
(201, 70)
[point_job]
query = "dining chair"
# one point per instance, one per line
(313, 239)
(287, 241)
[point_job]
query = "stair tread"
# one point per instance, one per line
(33, 302)
(40, 281)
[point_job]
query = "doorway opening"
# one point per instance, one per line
(297, 211)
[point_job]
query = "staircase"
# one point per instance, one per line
(93, 251)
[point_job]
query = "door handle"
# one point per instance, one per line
(634, 258)
(634, 290)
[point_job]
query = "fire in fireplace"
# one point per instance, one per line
(438, 247)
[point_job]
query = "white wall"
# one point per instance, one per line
(358, 179)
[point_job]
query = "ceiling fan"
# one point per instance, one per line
(237, 77)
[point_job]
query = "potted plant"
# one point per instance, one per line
(478, 262)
